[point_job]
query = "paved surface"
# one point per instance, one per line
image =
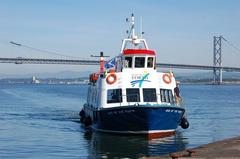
(225, 149)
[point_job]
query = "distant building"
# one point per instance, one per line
(34, 80)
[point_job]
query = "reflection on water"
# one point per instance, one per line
(103, 145)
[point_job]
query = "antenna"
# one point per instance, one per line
(101, 55)
(132, 38)
(141, 32)
(133, 22)
(131, 32)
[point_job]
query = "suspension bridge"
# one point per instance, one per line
(95, 62)
(217, 67)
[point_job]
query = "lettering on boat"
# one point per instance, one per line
(139, 79)
(173, 111)
(120, 112)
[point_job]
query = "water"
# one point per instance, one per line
(41, 121)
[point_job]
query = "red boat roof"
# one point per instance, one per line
(138, 52)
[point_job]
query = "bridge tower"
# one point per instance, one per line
(217, 59)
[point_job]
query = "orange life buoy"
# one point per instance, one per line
(112, 78)
(167, 78)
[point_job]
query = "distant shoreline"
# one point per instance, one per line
(84, 80)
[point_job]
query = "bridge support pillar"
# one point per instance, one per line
(217, 59)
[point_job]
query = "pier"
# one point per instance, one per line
(224, 149)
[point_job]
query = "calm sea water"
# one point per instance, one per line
(41, 121)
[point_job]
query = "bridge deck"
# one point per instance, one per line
(94, 62)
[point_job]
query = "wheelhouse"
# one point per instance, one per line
(134, 58)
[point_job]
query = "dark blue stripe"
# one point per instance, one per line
(138, 118)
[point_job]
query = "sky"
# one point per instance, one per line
(179, 31)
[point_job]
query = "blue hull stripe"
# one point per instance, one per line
(137, 119)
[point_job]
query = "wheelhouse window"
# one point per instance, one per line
(166, 96)
(128, 62)
(114, 96)
(139, 62)
(149, 95)
(150, 62)
(133, 95)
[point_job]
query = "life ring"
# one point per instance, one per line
(112, 78)
(167, 78)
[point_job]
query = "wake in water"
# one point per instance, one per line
(56, 115)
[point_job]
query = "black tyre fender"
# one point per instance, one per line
(184, 123)
(82, 116)
(88, 121)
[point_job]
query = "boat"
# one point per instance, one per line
(129, 96)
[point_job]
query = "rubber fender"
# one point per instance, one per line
(88, 121)
(82, 116)
(184, 123)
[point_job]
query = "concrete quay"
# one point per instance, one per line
(224, 149)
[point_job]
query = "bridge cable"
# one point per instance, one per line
(231, 44)
(44, 51)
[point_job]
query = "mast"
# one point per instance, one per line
(133, 38)
(101, 68)
(101, 63)
(132, 28)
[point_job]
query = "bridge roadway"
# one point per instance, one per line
(21, 60)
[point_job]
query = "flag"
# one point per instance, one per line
(110, 63)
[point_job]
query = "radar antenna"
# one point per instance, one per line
(132, 37)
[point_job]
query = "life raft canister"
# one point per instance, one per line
(167, 78)
(111, 78)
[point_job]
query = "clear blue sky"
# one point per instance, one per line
(181, 31)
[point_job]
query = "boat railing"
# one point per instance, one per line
(178, 101)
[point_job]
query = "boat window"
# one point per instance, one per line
(166, 96)
(128, 62)
(133, 95)
(149, 95)
(114, 96)
(150, 62)
(139, 62)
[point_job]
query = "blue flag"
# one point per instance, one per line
(110, 63)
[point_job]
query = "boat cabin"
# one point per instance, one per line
(136, 58)
(128, 95)
(132, 79)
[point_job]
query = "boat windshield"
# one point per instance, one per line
(149, 95)
(114, 96)
(166, 96)
(139, 62)
(133, 95)
(150, 62)
(128, 62)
